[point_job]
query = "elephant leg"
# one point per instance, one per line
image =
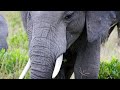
(61, 74)
(66, 70)
(68, 64)
(70, 57)
(88, 59)
(65, 73)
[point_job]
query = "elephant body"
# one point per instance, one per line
(116, 23)
(118, 30)
(75, 34)
(3, 33)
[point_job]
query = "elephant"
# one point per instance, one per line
(118, 30)
(116, 23)
(3, 33)
(75, 36)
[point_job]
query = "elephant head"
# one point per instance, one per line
(3, 33)
(51, 33)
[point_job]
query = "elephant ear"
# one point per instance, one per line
(24, 18)
(27, 23)
(98, 24)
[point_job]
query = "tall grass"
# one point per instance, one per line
(13, 61)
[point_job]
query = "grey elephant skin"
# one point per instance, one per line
(118, 26)
(3, 33)
(75, 34)
(116, 23)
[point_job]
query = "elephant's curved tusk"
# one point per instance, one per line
(57, 66)
(25, 70)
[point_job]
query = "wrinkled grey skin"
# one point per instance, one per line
(3, 33)
(118, 30)
(118, 19)
(116, 23)
(76, 34)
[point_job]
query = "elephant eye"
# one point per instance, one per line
(69, 15)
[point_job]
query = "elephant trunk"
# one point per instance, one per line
(43, 53)
(42, 58)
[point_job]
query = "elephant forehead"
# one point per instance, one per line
(52, 17)
(47, 13)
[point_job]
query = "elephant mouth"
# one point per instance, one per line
(56, 68)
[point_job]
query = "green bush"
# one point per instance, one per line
(12, 63)
(110, 70)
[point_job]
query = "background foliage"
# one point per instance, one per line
(13, 61)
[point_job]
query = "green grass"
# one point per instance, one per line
(14, 60)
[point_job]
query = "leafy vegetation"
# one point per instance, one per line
(110, 70)
(13, 61)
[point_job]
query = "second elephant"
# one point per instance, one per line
(3, 33)
(116, 23)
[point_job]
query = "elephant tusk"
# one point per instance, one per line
(25, 70)
(57, 66)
